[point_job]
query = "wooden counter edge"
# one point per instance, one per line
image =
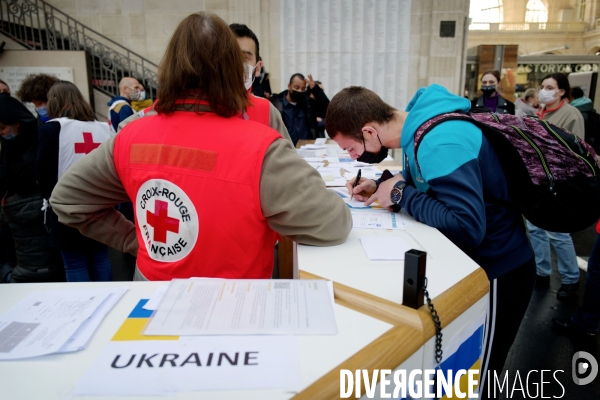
(373, 306)
(449, 304)
(388, 351)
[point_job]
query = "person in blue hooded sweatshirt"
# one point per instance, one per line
(458, 168)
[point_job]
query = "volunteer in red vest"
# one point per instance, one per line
(69, 136)
(211, 190)
(260, 109)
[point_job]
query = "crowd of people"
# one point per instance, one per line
(157, 158)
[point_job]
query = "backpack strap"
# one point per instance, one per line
(428, 125)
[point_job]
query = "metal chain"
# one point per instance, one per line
(438, 326)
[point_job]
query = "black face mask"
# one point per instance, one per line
(373, 158)
(298, 97)
(488, 90)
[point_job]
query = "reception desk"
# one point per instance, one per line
(375, 331)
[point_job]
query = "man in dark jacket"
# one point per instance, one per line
(299, 111)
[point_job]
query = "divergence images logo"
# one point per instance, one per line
(585, 368)
(167, 219)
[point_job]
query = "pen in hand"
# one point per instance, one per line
(355, 183)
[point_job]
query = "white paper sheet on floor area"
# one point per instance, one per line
(44, 321)
(384, 248)
(244, 307)
(193, 363)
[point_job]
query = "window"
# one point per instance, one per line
(536, 11)
(486, 11)
(580, 10)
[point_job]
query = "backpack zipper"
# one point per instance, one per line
(540, 155)
(557, 136)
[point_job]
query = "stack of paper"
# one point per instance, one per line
(54, 321)
(243, 307)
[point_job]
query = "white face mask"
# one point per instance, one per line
(547, 96)
(137, 95)
(248, 75)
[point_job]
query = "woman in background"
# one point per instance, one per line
(554, 92)
(73, 133)
(491, 99)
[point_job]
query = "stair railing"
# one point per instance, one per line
(38, 25)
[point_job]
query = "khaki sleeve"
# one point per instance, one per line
(276, 122)
(296, 202)
(85, 196)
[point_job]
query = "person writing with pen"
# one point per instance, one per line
(457, 166)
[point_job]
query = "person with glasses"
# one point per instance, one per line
(554, 93)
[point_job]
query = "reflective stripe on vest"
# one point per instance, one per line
(194, 181)
(78, 138)
(259, 109)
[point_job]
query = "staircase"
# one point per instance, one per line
(37, 25)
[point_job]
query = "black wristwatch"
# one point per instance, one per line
(396, 194)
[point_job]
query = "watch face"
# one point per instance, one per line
(396, 195)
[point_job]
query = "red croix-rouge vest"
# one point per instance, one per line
(259, 109)
(194, 182)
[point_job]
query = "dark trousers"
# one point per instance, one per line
(588, 315)
(509, 298)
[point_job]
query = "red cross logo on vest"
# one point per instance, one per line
(161, 222)
(88, 144)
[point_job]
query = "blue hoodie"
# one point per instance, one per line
(458, 167)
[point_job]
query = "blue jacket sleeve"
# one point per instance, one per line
(454, 205)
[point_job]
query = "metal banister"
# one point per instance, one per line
(38, 25)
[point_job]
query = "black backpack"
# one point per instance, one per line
(592, 129)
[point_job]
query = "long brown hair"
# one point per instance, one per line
(65, 100)
(203, 61)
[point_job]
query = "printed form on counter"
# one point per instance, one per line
(244, 307)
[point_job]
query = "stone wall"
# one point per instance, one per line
(145, 27)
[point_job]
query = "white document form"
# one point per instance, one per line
(353, 203)
(154, 301)
(376, 220)
(83, 335)
(193, 363)
(244, 307)
(381, 248)
(44, 321)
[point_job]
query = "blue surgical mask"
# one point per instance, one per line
(10, 136)
(43, 113)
